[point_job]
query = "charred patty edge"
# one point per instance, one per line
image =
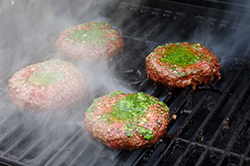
(63, 93)
(115, 135)
(107, 48)
(176, 76)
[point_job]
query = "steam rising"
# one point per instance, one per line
(30, 28)
(28, 33)
(230, 35)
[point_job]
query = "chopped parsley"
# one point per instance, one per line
(182, 55)
(131, 110)
(87, 35)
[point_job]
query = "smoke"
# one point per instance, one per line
(29, 27)
(28, 33)
(28, 30)
(228, 36)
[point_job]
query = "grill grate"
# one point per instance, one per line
(212, 123)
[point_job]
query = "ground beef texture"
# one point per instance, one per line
(183, 64)
(127, 120)
(90, 42)
(49, 85)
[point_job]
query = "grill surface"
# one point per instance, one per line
(212, 124)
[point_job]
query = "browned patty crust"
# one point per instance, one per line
(178, 65)
(49, 85)
(92, 41)
(127, 121)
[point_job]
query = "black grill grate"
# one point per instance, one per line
(212, 123)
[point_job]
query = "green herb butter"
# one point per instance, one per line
(177, 54)
(46, 78)
(87, 35)
(131, 110)
(133, 106)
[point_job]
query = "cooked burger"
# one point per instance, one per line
(92, 41)
(50, 85)
(127, 121)
(178, 65)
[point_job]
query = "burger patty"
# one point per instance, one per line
(92, 41)
(53, 84)
(127, 121)
(178, 65)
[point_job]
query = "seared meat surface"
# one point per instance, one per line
(178, 65)
(127, 121)
(49, 85)
(91, 42)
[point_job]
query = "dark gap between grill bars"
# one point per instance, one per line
(191, 138)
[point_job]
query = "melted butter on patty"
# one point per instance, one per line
(131, 110)
(46, 77)
(90, 35)
(178, 54)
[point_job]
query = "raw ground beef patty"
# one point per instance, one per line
(178, 65)
(49, 85)
(127, 121)
(91, 42)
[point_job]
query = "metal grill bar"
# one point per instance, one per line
(220, 129)
(191, 118)
(222, 100)
(232, 113)
(78, 158)
(39, 146)
(15, 133)
(180, 130)
(183, 144)
(234, 137)
(65, 151)
(247, 150)
(7, 125)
